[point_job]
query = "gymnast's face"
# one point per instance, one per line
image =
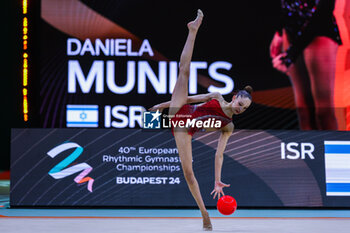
(240, 104)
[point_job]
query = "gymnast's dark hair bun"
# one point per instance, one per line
(248, 89)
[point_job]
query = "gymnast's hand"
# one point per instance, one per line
(278, 63)
(155, 108)
(218, 189)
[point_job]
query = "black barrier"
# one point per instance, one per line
(132, 167)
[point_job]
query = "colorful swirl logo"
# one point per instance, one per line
(59, 171)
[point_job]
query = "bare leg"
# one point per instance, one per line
(178, 99)
(302, 95)
(183, 143)
(300, 79)
(180, 93)
(320, 60)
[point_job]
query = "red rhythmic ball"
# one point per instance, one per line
(226, 205)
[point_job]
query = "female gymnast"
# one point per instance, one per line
(305, 48)
(213, 106)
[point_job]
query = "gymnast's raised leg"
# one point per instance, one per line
(178, 99)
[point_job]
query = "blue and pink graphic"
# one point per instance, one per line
(59, 171)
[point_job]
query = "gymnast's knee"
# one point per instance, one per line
(184, 70)
(189, 176)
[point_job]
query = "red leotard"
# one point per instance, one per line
(210, 109)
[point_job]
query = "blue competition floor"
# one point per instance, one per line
(168, 220)
(6, 211)
(159, 213)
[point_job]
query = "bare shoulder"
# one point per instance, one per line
(217, 96)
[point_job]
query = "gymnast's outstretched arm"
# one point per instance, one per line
(219, 158)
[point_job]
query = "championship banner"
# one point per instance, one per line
(140, 168)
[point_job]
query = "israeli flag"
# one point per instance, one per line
(337, 163)
(82, 116)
